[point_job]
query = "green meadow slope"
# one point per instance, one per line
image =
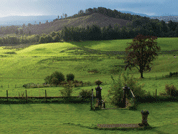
(34, 63)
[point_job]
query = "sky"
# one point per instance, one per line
(71, 7)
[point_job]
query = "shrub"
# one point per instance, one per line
(115, 70)
(88, 83)
(28, 85)
(133, 104)
(59, 76)
(132, 84)
(171, 90)
(117, 94)
(117, 89)
(25, 85)
(32, 39)
(162, 94)
(48, 39)
(10, 53)
(42, 39)
(173, 74)
(55, 81)
(56, 38)
(70, 77)
(66, 91)
(85, 93)
(98, 82)
(48, 79)
(63, 82)
(75, 81)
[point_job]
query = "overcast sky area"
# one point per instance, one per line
(71, 7)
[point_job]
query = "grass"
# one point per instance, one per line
(33, 63)
(77, 118)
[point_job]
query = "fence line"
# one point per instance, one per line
(50, 97)
(46, 97)
(9, 86)
(50, 85)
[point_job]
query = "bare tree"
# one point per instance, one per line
(81, 12)
(65, 15)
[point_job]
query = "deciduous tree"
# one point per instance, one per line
(144, 51)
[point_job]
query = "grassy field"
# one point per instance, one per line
(34, 63)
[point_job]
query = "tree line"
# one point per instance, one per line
(94, 32)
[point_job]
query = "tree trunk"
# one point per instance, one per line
(142, 74)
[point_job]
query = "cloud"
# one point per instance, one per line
(127, 1)
(71, 7)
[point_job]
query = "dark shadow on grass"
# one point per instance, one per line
(93, 126)
(83, 45)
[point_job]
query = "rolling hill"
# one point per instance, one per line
(57, 25)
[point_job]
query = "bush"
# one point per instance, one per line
(133, 104)
(132, 84)
(28, 85)
(162, 94)
(48, 39)
(54, 81)
(42, 39)
(117, 89)
(59, 76)
(171, 90)
(70, 77)
(33, 39)
(117, 94)
(88, 83)
(85, 93)
(66, 91)
(56, 38)
(76, 81)
(63, 83)
(48, 80)
(173, 74)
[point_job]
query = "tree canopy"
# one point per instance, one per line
(144, 52)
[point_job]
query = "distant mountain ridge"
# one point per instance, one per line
(166, 18)
(20, 20)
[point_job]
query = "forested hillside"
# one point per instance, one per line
(80, 21)
(92, 24)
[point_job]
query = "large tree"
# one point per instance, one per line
(144, 51)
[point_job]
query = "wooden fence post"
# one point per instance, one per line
(26, 95)
(45, 95)
(7, 94)
(92, 100)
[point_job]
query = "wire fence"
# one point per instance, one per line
(32, 85)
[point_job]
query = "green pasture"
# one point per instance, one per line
(33, 63)
(78, 119)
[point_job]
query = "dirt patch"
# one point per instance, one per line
(118, 125)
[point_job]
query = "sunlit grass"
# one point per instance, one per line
(77, 118)
(34, 63)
